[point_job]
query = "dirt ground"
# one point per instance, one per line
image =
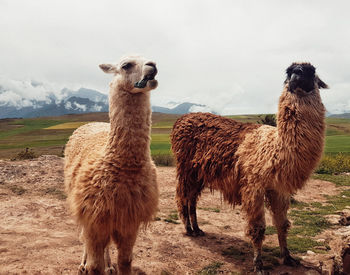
(38, 236)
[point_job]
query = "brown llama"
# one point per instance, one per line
(249, 163)
(110, 177)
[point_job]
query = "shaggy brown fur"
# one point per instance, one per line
(248, 162)
(109, 175)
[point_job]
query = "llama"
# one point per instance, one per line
(110, 177)
(249, 163)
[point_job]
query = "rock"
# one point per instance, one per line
(345, 220)
(344, 231)
(320, 240)
(310, 253)
(321, 248)
(333, 219)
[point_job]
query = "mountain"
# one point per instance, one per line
(15, 103)
(30, 98)
(182, 108)
(72, 105)
(345, 115)
(86, 93)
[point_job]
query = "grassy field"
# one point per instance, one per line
(49, 135)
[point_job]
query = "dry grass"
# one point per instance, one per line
(67, 125)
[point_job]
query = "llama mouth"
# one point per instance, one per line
(143, 82)
(303, 86)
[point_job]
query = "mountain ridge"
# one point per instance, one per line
(80, 101)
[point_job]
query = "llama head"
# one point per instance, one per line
(133, 74)
(302, 79)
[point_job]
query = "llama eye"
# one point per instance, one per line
(127, 66)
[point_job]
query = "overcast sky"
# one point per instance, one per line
(230, 55)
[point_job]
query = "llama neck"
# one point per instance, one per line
(129, 137)
(301, 127)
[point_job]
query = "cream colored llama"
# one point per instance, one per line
(249, 162)
(110, 178)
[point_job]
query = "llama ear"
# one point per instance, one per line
(109, 68)
(321, 84)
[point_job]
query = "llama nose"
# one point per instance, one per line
(153, 69)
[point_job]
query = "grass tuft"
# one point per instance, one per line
(210, 209)
(55, 192)
(163, 159)
(270, 230)
(25, 154)
(211, 269)
(233, 252)
(297, 204)
(18, 190)
(172, 217)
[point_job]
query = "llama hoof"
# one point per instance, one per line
(137, 271)
(262, 272)
(290, 261)
(198, 233)
(258, 266)
(110, 271)
(189, 231)
(82, 270)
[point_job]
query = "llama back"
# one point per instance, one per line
(205, 146)
(86, 140)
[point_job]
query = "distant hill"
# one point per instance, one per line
(345, 115)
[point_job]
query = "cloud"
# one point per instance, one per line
(195, 109)
(21, 93)
(80, 106)
(204, 49)
(96, 108)
(68, 105)
(9, 98)
(337, 99)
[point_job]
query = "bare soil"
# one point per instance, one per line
(38, 236)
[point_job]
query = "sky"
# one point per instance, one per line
(230, 55)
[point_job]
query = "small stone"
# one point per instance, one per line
(310, 253)
(333, 219)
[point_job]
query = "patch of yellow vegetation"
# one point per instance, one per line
(67, 125)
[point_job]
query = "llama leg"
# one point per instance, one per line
(83, 262)
(82, 266)
(193, 214)
(253, 205)
(125, 246)
(109, 269)
(279, 206)
(186, 219)
(182, 208)
(94, 253)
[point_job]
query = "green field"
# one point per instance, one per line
(49, 135)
